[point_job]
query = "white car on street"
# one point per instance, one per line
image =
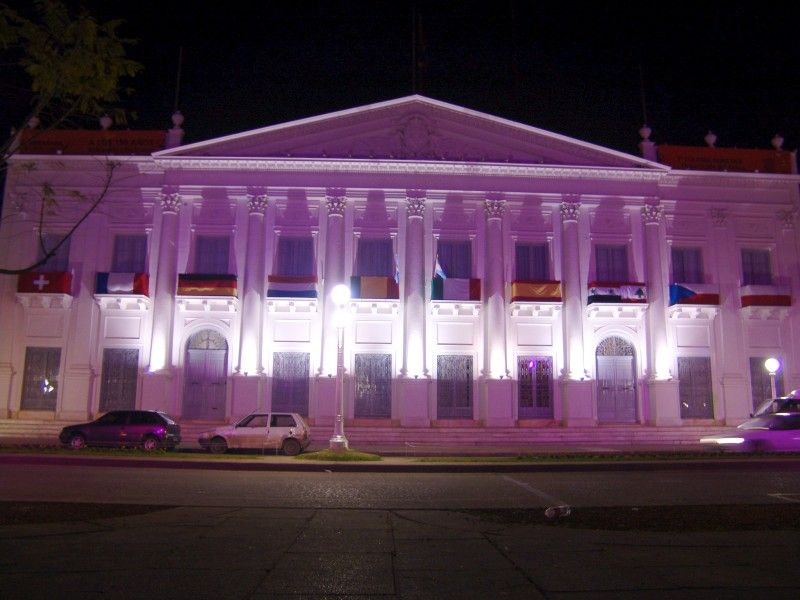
(777, 432)
(260, 431)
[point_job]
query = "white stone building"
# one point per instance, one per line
(559, 261)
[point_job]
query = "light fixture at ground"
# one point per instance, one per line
(340, 295)
(772, 365)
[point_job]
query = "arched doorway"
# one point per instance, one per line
(206, 375)
(616, 381)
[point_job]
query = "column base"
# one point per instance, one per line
(155, 392)
(664, 405)
(325, 413)
(578, 402)
(737, 405)
(246, 396)
(414, 410)
(498, 403)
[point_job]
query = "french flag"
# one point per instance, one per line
(122, 283)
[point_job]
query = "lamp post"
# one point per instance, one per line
(772, 365)
(340, 294)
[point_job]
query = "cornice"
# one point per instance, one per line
(408, 167)
(727, 179)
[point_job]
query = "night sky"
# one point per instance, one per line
(570, 68)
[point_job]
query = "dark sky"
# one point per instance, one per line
(572, 68)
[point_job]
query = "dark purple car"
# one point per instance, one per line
(148, 429)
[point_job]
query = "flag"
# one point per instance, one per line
(693, 293)
(291, 286)
(396, 272)
(195, 284)
(456, 289)
(765, 295)
(542, 291)
(617, 293)
(438, 271)
(374, 288)
(122, 283)
(45, 283)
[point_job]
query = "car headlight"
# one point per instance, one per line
(724, 440)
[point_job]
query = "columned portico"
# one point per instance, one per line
(414, 399)
(578, 408)
(663, 389)
(155, 384)
(498, 395)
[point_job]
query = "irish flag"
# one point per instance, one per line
(291, 286)
(122, 283)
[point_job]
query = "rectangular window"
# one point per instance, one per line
(120, 371)
(40, 381)
(535, 387)
(211, 254)
(455, 258)
(760, 386)
(373, 379)
(375, 258)
(290, 382)
(130, 254)
(59, 262)
(454, 386)
(755, 267)
(687, 265)
(694, 387)
(295, 256)
(532, 262)
(611, 263)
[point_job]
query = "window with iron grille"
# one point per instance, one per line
(373, 379)
(760, 385)
(290, 382)
(295, 256)
(687, 265)
(694, 387)
(454, 386)
(756, 267)
(532, 262)
(211, 254)
(120, 371)
(611, 263)
(535, 387)
(59, 262)
(130, 254)
(40, 381)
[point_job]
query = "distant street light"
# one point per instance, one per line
(772, 365)
(340, 295)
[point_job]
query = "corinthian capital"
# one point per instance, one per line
(719, 216)
(257, 203)
(336, 205)
(652, 214)
(570, 211)
(786, 218)
(494, 208)
(415, 207)
(170, 201)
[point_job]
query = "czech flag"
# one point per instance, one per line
(693, 293)
(122, 283)
(45, 283)
(291, 286)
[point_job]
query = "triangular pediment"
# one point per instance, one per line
(411, 128)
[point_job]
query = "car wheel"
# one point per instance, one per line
(150, 444)
(77, 441)
(291, 447)
(218, 445)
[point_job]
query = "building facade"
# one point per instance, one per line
(500, 276)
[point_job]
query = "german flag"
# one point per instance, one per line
(196, 284)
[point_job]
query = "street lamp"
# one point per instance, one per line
(340, 294)
(772, 365)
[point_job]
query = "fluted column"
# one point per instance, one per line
(414, 364)
(573, 291)
(494, 281)
(250, 352)
(658, 359)
(166, 283)
(333, 275)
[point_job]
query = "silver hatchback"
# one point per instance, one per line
(259, 431)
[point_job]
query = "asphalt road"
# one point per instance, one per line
(269, 489)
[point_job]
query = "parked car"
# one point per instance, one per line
(285, 431)
(148, 429)
(784, 404)
(779, 432)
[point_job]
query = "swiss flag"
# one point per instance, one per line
(45, 283)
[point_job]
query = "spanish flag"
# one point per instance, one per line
(535, 291)
(196, 284)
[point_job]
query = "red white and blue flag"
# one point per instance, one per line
(122, 283)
